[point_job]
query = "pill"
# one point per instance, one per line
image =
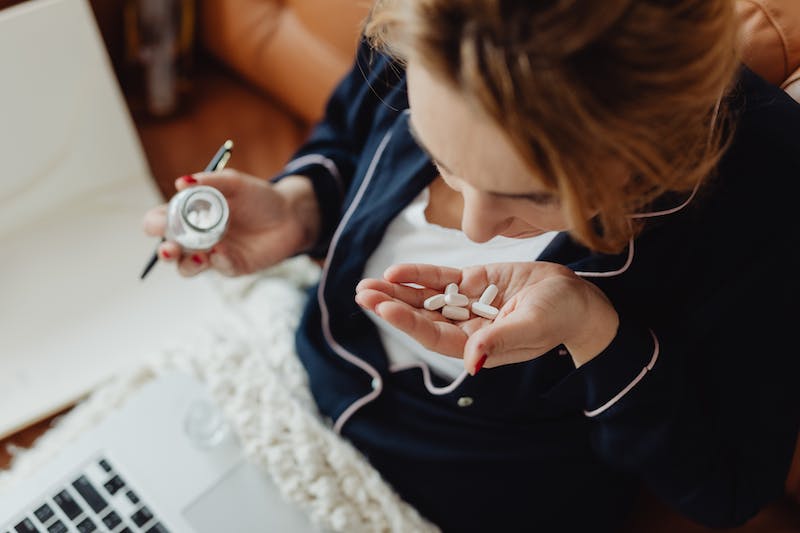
(459, 300)
(489, 294)
(455, 313)
(451, 289)
(484, 310)
(434, 302)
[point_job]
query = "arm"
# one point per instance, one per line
(716, 447)
(328, 159)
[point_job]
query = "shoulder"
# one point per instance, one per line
(766, 124)
(762, 163)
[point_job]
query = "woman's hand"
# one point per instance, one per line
(542, 305)
(267, 224)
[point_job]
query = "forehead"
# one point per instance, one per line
(463, 137)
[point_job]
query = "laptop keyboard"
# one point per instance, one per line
(96, 499)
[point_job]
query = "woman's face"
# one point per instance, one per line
(501, 194)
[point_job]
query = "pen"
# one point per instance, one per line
(216, 164)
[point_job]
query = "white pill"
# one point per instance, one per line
(459, 300)
(451, 289)
(489, 294)
(484, 310)
(434, 302)
(455, 313)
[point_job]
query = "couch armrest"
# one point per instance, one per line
(296, 53)
(770, 37)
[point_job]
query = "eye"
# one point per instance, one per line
(545, 200)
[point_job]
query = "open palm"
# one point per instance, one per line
(541, 306)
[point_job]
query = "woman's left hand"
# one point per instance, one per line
(542, 305)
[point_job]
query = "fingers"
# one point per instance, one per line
(155, 221)
(435, 277)
(510, 339)
(192, 264)
(413, 297)
(169, 251)
(429, 328)
(224, 180)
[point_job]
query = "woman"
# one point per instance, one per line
(625, 185)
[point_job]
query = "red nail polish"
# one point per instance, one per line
(197, 259)
(165, 254)
(188, 179)
(480, 362)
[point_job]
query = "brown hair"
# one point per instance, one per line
(577, 84)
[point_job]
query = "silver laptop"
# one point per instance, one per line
(165, 461)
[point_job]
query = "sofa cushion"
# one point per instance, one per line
(770, 37)
(296, 51)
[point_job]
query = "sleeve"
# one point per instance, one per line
(705, 410)
(331, 154)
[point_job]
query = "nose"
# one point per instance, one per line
(481, 218)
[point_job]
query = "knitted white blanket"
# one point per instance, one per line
(248, 361)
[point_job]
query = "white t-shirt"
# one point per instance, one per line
(410, 238)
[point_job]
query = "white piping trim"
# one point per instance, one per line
(317, 159)
(613, 273)
(325, 315)
(630, 385)
(426, 378)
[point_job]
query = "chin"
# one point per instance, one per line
(523, 234)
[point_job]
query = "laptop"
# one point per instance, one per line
(166, 461)
(74, 187)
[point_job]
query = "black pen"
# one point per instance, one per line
(217, 163)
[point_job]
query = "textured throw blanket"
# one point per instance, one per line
(248, 361)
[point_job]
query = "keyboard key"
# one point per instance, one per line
(114, 484)
(104, 465)
(87, 526)
(132, 497)
(57, 527)
(90, 494)
(67, 504)
(142, 516)
(112, 520)
(26, 526)
(158, 528)
(43, 513)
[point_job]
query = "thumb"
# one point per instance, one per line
(513, 338)
(225, 181)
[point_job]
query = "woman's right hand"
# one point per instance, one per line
(268, 223)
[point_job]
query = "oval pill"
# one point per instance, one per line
(459, 300)
(434, 302)
(485, 310)
(489, 294)
(452, 288)
(455, 313)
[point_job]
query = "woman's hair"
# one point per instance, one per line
(582, 86)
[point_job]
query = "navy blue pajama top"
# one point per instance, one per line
(708, 308)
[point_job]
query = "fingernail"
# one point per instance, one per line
(188, 179)
(480, 363)
(165, 254)
(197, 259)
